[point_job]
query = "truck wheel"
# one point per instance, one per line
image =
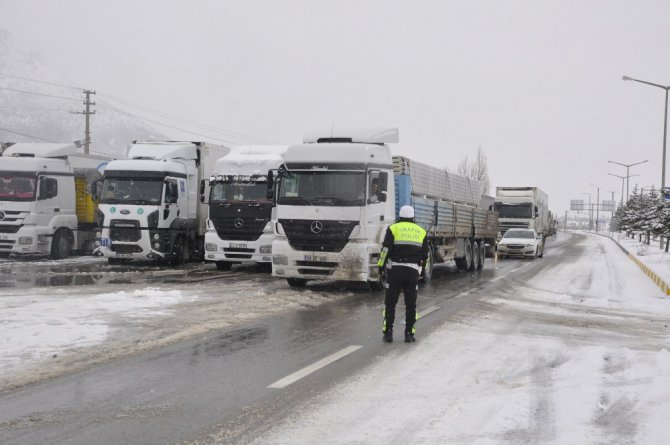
(178, 253)
(223, 265)
(474, 262)
(61, 244)
(466, 262)
(428, 270)
(297, 282)
(482, 254)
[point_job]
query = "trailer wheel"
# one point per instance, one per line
(297, 282)
(474, 263)
(61, 244)
(482, 254)
(223, 265)
(465, 262)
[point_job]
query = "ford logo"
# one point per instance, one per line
(316, 227)
(239, 222)
(125, 212)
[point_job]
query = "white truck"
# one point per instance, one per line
(148, 203)
(46, 205)
(338, 192)
(239, 228)
(523, 208)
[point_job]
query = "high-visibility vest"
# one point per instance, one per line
(407, 233)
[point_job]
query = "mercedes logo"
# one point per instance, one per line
(239, 222)
(2, 216)
(316, 227)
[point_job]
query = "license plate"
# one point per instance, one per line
(105, 242)
(238, 245)
(315, 258)
(124, 255)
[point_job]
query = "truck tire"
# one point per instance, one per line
(474, 263)
(61, 244)
(223, 265)
(428, 270)
(482, 254)
(297, 282)
(178, 256)
(465, 262)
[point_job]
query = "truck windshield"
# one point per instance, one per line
(239, 191)
(131, 191)
(328, 188)
(15, 187)
(523, 210)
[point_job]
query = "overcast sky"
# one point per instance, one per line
(536, 84)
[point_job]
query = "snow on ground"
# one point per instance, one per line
(578, 354)
(48, 331)
(650, 254)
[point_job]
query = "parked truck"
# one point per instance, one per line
(46, 204)
(148, 204)
(239, 228)
(338, 192)
(523, 208)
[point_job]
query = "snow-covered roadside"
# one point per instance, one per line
(48, 331)
(650, 254)
(579, 354)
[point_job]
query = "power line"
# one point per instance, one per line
(32, 108)
(38, 94)
(188, 121)
(41, 81)
(27, 135)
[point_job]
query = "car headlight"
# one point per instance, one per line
(530, 244)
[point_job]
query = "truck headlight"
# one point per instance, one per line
(266, 249)
(25, 240)
(280, 260)
(210, 247)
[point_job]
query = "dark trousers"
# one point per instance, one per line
(405, 279)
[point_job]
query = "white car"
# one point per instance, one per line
(521, 242)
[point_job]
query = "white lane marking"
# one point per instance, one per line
(514, 270)
(304, 372)
(462, 294)
(424, 312)
(497, 278)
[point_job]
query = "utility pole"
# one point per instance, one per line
(565, 224)
(87, 112)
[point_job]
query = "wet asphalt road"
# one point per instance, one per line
(214, 389)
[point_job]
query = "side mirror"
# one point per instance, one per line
(96, 190)
(537, 212)
(270, 193)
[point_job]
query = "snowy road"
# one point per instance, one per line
(567, 349)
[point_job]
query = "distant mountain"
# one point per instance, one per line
(30, 110)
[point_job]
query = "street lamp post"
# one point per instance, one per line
(590, 211)
(597, 205)
(628, 175)
(623, 179)
(665, 121)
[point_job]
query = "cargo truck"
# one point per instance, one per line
(239, 228)
(337, 193)
(523, 208)
(46, 204)
(148, 203)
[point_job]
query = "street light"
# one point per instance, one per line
(623, 179)
(590, 211)
(597, 205)
(628, 175)
(665, 121)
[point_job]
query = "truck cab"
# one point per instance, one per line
(148, 204)
(334, 199)
(46, 207)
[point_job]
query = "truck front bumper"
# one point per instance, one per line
(356, 262)
(28, 240)
(259, 251)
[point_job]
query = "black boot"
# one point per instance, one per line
(409, 337)
(388, 336)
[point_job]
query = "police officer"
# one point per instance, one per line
(404, 254)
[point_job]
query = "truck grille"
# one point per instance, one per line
(126, 248)
(326, 236)
(9, 228)
(239, 229)
(124, 230)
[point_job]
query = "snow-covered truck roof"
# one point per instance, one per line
(41, 150)
(250, 160)
(355, 155)
(162, 150)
